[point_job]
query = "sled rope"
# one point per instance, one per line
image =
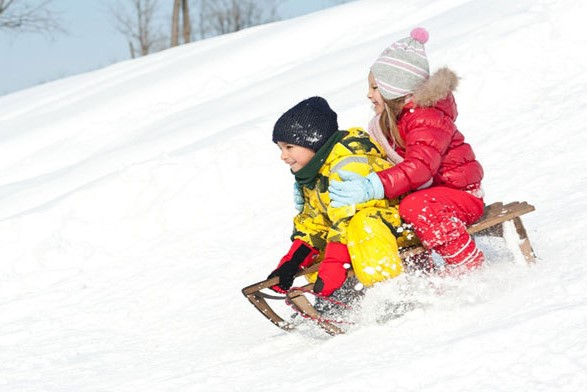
(324, 297)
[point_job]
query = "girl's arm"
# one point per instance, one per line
(427, 134)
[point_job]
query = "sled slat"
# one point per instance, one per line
(265, 284)
(524, 244)
(495, 215)
(262, 306)
(303, 305)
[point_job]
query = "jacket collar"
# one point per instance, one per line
(306, 176)
(438, 86)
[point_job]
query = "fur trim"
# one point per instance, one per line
(437, 87)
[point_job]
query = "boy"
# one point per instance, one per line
(365, 235)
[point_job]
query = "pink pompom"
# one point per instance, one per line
(420, 34)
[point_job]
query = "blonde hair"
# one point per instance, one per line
(388, 120)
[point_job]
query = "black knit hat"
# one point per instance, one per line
(308, 124)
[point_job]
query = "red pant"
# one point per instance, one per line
(440, 217)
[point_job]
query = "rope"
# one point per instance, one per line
(324, 297)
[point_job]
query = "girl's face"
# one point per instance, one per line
(295, 156)
(375, 96)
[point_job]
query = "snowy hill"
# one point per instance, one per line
(137, 200)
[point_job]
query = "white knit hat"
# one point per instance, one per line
(403, 66)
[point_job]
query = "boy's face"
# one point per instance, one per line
(295, 156)
(375, 96)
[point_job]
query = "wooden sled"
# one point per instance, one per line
(496, 215)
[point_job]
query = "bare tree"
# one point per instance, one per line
(29, 16)
(136, 19)
(183, 7)
(175, 23)
(226, 16)
(213, 17)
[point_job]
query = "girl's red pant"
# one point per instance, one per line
(440, 217)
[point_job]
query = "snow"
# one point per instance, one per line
(136, 202)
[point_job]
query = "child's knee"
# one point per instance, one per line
(373, 249)
(410, 208)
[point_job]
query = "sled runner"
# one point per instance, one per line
(496, 216)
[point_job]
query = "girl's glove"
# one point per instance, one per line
(355, 189)
(300, 256)
(332, 270)
(298, 197)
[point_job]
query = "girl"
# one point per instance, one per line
(415, 115)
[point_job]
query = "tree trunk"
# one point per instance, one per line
(187, 26)
(175, 23)
(132, 50)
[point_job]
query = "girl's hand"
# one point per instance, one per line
(355, 189)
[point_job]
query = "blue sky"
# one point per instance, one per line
(91, 43)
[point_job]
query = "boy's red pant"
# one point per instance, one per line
(440, 217)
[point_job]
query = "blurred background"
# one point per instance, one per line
(45, 40)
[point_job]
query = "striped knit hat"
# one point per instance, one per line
(403, 66)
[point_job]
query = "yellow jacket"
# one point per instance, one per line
(318, 222)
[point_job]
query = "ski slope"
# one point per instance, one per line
(137, 200)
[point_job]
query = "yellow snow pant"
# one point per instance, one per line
(374, 238)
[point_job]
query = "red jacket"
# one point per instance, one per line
(435, 149)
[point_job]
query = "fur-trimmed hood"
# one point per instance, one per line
(437, 87)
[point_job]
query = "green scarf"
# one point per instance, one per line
(306, 176)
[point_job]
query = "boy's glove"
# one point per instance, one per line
(298, 197)
(354, 189)
(300, 256)
(332, 270)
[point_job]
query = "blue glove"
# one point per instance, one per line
(354, 189)
(298, 197)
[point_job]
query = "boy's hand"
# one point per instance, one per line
(300, 255)
(298, 197)
(354, 189)
(333, 270)
(286, 273)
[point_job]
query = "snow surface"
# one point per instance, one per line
(137, 200)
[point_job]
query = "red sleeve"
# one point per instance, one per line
(427, 133)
